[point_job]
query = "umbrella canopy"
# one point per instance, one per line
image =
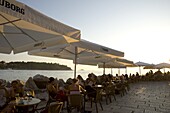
(99, 49)
(125, 62)
(111, 65)
(117, 63)
(105, 62)
(23, 28)
(162, 65)
(77, 50)
(80, 49)
(141, 64)
(94, 60)
(152, 66)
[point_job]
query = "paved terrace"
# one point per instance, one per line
(143, 97)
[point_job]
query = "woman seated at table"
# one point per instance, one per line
(81, 81)
(16, 89)
(75, 88)
(55, 92)
(52, 87)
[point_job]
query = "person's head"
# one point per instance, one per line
(89, 75)
(75, 80)
(14, 84)
(51, 79)
(79, 77)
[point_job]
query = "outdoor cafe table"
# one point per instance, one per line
(98, 87)
(26, 104)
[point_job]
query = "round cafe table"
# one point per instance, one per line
(27, 104)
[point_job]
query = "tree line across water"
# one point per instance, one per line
(32, 66)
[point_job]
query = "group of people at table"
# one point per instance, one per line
(14, 95)
(77, 86)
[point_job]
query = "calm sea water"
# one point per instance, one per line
(10, 75)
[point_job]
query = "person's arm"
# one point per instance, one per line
(12, 93)
(51, 88)
(56, 86)
(82, 89)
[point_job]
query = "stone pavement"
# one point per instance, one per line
(143, 97)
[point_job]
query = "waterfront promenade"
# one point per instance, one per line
(143, 97)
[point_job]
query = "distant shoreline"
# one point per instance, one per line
(32, 66)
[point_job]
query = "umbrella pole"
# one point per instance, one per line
(103, 67)
(139, 70)
(111, 71)
(75, 64)
(119, 71)
(126, 70)
(164, 70)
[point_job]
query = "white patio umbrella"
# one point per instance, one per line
(162, 66)
(117, 63)
(23, 28)
(139, 64)
(111, 65)
(94, 60)
(75, 51)
(152, 66)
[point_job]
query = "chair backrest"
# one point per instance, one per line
(55, 107)
(98, 95)
(75, 100)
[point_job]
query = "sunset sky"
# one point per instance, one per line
(139, 28)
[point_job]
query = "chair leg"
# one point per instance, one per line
(106, 99)
(110, 98)
(91, 100)
(96, 107)
(114, 97)
(101, 105)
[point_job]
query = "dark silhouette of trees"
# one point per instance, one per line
(32, 66)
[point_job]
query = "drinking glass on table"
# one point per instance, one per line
(29, 95)
(17, 98)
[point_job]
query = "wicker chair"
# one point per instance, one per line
(55, 107)
(106, 93)
(75, 101)
(97, 99)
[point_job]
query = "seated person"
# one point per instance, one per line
(89, 81)
(5, 107)
(75, 88)
(81, 81)
(52, 88)
(3, 96)
(16, 88)
(55, 92)
(91, 92)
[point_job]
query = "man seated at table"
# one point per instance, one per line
(5, 98)
(75, 88)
